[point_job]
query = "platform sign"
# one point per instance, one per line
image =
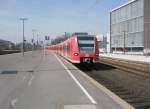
(47, 38)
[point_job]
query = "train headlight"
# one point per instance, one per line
(76, 54)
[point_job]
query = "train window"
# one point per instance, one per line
(86, 49)
(86, 41)
(86, 44)
(85, 37)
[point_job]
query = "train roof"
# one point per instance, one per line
(79, 33)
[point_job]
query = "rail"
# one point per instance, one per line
(141, 68)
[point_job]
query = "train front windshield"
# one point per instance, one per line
(86, 44)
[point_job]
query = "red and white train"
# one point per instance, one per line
(79, 48)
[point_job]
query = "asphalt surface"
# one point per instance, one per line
(36, 81)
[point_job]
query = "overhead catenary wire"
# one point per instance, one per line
(91, 7)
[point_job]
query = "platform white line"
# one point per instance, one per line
(77, 82)
(30, 81)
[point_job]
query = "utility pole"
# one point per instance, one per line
(124, 42)
(23, 19)
(33, 40)
(147, 24)
(65, 34)
(132, 46)
(37, 41)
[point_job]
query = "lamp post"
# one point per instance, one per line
(132, 46)
(33, 40)
(23, 20)
(146, 38)
(38, 41)
(124, 42)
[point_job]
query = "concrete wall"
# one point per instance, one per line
(108, 43)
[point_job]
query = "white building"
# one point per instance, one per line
(130, 27)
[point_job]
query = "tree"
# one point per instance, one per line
(61, 38)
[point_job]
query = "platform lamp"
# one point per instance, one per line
(33, 39)
(23, 20)
(146, 38)
(124, 42)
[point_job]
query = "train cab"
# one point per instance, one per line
(84, 49)
(79, 48)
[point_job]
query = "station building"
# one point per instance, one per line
(130, 27)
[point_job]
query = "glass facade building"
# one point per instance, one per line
(127, 26)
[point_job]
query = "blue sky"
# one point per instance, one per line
(54, 17)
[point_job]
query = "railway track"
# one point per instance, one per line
(140, 68)
(134, 89)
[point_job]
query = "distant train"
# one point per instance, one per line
(79, 48)
(6, 45)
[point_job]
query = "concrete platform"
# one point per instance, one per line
(49, 82)
(138, 58)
